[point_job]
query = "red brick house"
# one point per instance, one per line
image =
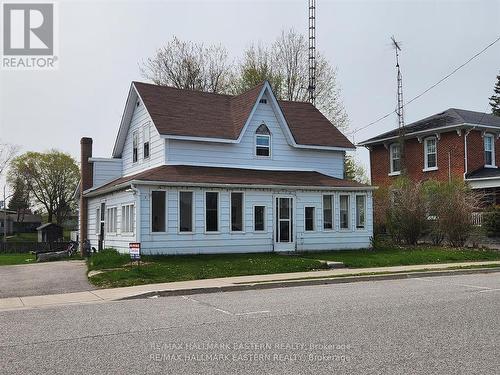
(455, 143)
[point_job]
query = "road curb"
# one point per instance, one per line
(307, 282)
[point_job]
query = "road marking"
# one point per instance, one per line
(465, 285)
(253, 312)
(489, 290)
(225, 311)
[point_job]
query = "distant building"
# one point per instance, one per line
(454, 144)
(19, 222)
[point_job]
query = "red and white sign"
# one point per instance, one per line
(135, 250)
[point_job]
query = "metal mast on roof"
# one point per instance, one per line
(312, 51)
(399, 109)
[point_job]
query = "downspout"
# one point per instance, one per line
(137, 194)
(465, 150)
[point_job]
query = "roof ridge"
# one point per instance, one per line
(182, 89)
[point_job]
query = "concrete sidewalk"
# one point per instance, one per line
(244, 283)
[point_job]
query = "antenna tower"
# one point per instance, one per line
(312, 51)
(399, 109)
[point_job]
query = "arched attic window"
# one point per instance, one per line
(263, 141)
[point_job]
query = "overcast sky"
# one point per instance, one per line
(102, 42)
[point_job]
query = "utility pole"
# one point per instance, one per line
(5, 197)
(4, 215)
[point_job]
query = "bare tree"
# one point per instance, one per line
(7, 153)
(256, 66)
(189, 65)
(286, 62)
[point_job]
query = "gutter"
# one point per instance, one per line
(429, 131)
(94, 193)
(466, 159)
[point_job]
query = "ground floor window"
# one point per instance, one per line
(360, 211)
(328, 211)
(237, 207)
(309, 218)
(111, 219)
(259, 218)
(212, 211)
(344, 212)
(158, 211)
(128, 214)
(185, 211)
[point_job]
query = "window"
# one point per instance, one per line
(259, 213)
(430, 151)
(97, 221)
(212, 211)
(263, 141)
(237, 212)
(112, 216)
(327, 211)
(263, 101)
(128, 213)
(185, 211)
(309, 218)
(158, 214)
(344, 212)
(360, 211)
(395, 152)
(135, 143)
(147, 136)
(489, 150)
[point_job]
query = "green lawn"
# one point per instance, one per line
(404, 256)
(10, 259)
(160, 269)
(118, 271)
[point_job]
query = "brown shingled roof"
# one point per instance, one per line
(233, 176)
(191, 113)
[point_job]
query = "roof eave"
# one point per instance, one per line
(92, 193)
(430, 131)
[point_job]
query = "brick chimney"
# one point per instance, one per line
(86, 182)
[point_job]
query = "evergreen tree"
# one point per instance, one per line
(495, 98)
(20, 201)
(354, 170)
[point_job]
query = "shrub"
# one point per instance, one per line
(451, 205)
(406, 212)
(491, 221)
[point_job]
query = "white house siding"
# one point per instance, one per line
(140, 119)
(242, 155)
(118, 240)
(338, 238)
(173, 242)
(106, 170)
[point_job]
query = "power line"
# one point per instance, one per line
(429, 88)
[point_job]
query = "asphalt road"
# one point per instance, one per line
(43, 278)
(438, 325)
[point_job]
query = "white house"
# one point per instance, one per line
(195, 172)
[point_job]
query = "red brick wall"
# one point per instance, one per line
(475, 151)
(449, 148)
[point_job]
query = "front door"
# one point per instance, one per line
(284, 231)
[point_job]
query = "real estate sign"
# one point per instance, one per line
(135, 250)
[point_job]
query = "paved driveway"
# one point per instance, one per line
(43, 278)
